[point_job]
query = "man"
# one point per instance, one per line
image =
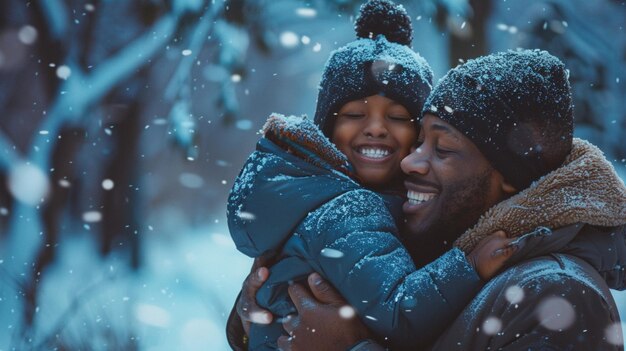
(496, 152)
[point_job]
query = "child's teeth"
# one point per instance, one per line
(374, 153)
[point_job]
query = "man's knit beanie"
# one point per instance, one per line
(380, 61)
(515, 106)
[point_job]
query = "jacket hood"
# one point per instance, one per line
(294, 170)
(585, 189)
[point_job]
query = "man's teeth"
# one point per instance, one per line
(373, 152)
(416, 198)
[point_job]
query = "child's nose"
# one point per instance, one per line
(376, 129)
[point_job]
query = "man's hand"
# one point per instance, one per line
(247, 308)
(324, 320)
(491, 253)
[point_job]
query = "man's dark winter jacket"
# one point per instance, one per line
(554, 302)
(560, 300)
(291, 200)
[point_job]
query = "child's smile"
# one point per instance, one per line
(375, 133)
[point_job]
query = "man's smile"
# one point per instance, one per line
(417, 198)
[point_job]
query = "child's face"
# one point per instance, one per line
(375, 133)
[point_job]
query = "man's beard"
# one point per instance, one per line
(462, 205)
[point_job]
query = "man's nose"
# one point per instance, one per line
(416, 162)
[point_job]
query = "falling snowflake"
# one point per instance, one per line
(289, 39)
(306, 12)
(191, 180)
(28, 183)
(107, 184)
(27, 35)
(347, 312)
(92, 216)
(613, 334)
(556, 313)
(246, 215)
(152, 315)
(514, 294)
(244, 124)
(63, 72)
(492, 326)
(259, 317)
(331, 253)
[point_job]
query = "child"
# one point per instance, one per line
(311, 201)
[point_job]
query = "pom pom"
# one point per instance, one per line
(386, 18)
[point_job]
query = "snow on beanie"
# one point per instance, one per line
(515, 106)
(380, 61)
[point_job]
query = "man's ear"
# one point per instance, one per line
(507, 188)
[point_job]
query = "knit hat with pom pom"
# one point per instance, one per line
(380, 61)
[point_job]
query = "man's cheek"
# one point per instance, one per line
(418, 224)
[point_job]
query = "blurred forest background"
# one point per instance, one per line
(124, 123)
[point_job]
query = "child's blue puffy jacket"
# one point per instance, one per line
(294, 198)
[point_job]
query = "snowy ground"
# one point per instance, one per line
(179, 299)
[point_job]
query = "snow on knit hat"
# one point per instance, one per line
(515, 106)
(380, 61)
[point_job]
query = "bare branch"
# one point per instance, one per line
(55, 13)
(8, 153)
(195, 45)
(80, 91)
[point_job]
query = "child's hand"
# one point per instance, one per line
(489, 256)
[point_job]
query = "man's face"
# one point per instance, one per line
(450, 184)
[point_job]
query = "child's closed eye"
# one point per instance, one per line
(352, 115)
(400, 118)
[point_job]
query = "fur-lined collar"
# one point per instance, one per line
(585, 189)
(302, 137)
